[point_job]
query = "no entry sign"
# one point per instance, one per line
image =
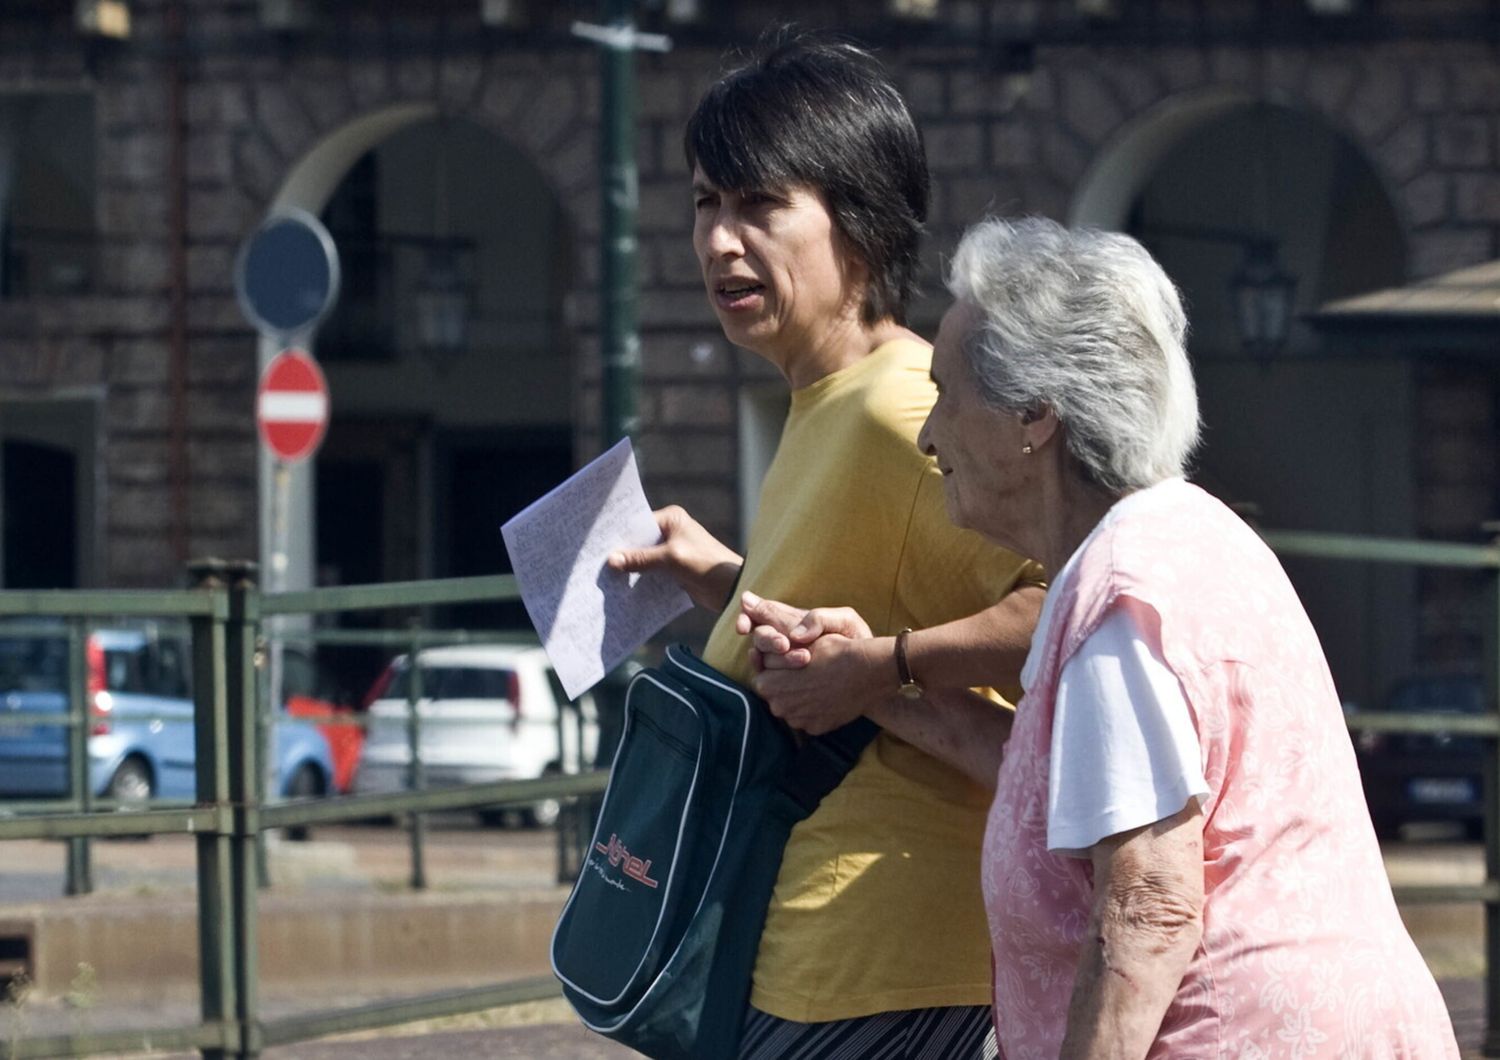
(291, 407)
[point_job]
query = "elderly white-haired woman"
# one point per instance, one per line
(1178, 861)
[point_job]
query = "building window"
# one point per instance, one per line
(49, 244)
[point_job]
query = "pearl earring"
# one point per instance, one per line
(1026, 449)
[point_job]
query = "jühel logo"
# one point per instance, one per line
(626, 862)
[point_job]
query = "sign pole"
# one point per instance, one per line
(281, 501)
(291, 413)
(292, 416)
(281, 543)
(286, 278)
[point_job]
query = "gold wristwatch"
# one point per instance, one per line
(910, 689)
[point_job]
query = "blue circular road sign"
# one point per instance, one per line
(287, 275)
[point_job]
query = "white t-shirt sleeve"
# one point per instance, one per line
(1125, 750)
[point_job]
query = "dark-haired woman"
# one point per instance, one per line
(809, 188)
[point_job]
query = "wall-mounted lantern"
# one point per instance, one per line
(102, 18)
(1264, 296)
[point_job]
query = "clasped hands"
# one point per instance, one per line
(819, 669)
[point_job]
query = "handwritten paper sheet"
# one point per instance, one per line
(591, 618)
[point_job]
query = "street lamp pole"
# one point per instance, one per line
(619, 341)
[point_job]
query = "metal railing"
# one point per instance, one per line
(225, 615)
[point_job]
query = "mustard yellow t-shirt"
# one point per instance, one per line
(877, 906)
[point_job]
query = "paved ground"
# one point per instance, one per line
(570, 1042)
(1465, 1002)
(460, 857)
(530, 1043)
(360, 859)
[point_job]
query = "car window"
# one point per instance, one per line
(494, 684)
(456, 684)
(444, 683)
(153, 668)
(453, 682)
(33, 664)
(297, 675)
(172, 670)
(472, 683)
(400, 683)
(122, 670)
(438, 682)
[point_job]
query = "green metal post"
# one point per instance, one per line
(565, 826)
(261, 687)
(416, 774)
(575, 824)
(80, 878)
(246, 787)
(1492, 829)
(619, 344)
(217, 937)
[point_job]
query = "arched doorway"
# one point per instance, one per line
(1305, 439)
(431, 447)
(50, 466)
(434, 444)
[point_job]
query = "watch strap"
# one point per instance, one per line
(903, 668)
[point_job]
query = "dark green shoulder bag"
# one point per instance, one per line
(657, 941)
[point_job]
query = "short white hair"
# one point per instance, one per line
(1085, 323)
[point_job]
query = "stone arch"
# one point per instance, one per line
(1313, 441)
(324, 112)
(1128, 157)
(328, 127)
(1379, 105)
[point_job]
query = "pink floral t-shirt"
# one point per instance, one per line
(1303, 953)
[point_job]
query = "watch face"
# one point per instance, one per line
(911, 690)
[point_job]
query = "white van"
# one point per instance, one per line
(488, 712)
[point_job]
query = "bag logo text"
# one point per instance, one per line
(626, 862)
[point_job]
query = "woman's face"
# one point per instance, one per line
(774, 266)
(986, 477)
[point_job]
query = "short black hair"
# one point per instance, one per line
(821, 112)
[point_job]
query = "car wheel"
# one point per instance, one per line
(543, 814)
(131, 786)
(305, 784)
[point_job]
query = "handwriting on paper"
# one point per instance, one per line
(591, 618)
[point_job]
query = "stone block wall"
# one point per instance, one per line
(1426, 114)
(1458, 426)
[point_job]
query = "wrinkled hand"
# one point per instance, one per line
(815, 668)
(696, 560)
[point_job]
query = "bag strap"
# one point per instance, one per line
(822, 762)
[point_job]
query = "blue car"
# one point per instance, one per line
(140, 739)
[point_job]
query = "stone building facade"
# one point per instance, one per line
(206, 118)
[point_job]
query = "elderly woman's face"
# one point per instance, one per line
(773, 265)
(978, 449)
